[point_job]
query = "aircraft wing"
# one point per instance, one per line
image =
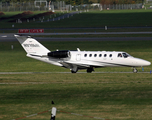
(80, 65)
(71, 65)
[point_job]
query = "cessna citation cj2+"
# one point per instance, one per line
(76, 60)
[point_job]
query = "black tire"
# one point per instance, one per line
(89, 70)
(73, 71)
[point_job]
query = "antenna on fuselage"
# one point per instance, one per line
(78, 49)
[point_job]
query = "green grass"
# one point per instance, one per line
(114, 96)
(111, 96)
(112, 18)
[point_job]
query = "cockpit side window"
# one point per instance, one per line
(119, 55)
(125, 55)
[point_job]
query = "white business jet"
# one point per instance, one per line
(77, 60)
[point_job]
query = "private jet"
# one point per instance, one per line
(77, 60)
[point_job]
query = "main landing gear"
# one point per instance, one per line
(73, 71)
(89, 70)
(135, 70)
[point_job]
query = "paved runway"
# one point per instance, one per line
(10, 37)
(83, 39)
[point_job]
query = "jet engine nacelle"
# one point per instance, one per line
(59, 54)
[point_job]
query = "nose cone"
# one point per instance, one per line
(141, 62)
(145, 63)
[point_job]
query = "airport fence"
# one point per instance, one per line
(123, 6)
(60, 5)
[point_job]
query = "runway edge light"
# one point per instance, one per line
(53, 113)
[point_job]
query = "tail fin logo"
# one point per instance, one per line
(31, 45)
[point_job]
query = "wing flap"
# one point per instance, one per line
(71, 65)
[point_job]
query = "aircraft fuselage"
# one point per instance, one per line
(76, 60)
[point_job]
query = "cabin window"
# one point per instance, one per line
(110, 55)
(119, 55)
(100, 55)
(85, 55)
(95, 55)
(105, 55)
(90, 55)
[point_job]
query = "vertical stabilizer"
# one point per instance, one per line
(31, 46)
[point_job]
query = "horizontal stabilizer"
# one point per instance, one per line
(39, 55)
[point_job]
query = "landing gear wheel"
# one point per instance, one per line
(135, 70)
(73, 71)
(89, 70)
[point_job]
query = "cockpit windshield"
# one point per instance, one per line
(125, 55)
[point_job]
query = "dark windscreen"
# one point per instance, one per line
(125, 55)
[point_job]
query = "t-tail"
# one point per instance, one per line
(31, 46)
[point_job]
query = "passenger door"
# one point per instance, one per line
(78, 57)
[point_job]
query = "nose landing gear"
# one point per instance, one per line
(135, 70)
